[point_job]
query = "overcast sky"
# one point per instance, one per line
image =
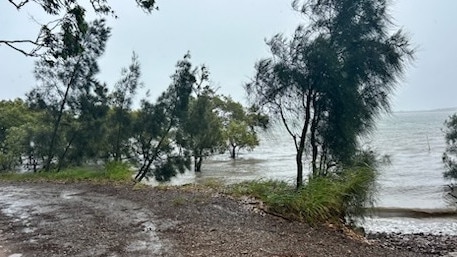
(229, 37)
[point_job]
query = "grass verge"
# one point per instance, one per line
(336, 198)
(113, 172)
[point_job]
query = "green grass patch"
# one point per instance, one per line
(323, 199)
(113, 172)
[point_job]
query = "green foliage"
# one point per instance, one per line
(239, 135)
(450, 154)
(328, 83)
(338, 198)
(120, 118)
(63, 37)
(202, 128)
(157, 149)
(239, 124)
(74, 101)
(114, 172)
(20, 128)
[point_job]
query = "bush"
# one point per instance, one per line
(337, 198)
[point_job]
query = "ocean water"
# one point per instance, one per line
(411, 190)
(412, 196)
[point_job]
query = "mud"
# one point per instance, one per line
(48, 219)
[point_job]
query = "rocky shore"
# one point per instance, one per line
(438, 245)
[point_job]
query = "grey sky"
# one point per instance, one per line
(228, 36)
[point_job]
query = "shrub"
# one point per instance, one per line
(336, 198)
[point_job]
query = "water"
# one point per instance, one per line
(411, 186)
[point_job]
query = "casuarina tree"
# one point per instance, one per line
(328, 82)
(68, 19)
(156, 125)
(68, 90)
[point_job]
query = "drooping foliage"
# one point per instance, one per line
(74, 100)
(68, 23)
(202, 129)
(330, 80)
(120, 118)
(449, 156)
(156, 125)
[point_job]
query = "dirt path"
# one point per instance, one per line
(87, 220)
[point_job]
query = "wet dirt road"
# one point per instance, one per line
(65, 221)
(82, 219)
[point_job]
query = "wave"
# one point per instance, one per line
(386, 212)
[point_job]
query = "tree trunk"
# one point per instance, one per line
(233, 152)
(299, 161)
(198, 164)
(313, 141)
(148, 162)
(301, 145)
(117, 151)
(47, 165)
(62, 157)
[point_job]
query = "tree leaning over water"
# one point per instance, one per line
(328, 83)
(157, 149)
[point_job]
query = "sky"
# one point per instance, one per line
(228, 36)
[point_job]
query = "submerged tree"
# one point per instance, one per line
(202, 129)
(240, 125)
(329, 81)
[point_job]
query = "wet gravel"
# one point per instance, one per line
(437, 245)
(50, 219)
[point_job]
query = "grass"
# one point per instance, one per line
(113, 172)
(322, 199)
(336, 198)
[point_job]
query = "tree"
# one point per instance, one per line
(329, 81)
(449, 156)
(120, 118)
(156, 126)
(68, 21)
(68, 90)
(202, 129)
(16, 122)
(240, 125)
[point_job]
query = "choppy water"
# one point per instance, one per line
(411, 184)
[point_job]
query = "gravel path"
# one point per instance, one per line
(48, 219)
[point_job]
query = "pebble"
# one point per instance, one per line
(439, 245)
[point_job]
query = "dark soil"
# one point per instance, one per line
(50, 219)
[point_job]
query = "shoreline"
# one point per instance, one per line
(83, 219)
(436, 245)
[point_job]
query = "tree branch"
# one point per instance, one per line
(18, 5)
(32, 53)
